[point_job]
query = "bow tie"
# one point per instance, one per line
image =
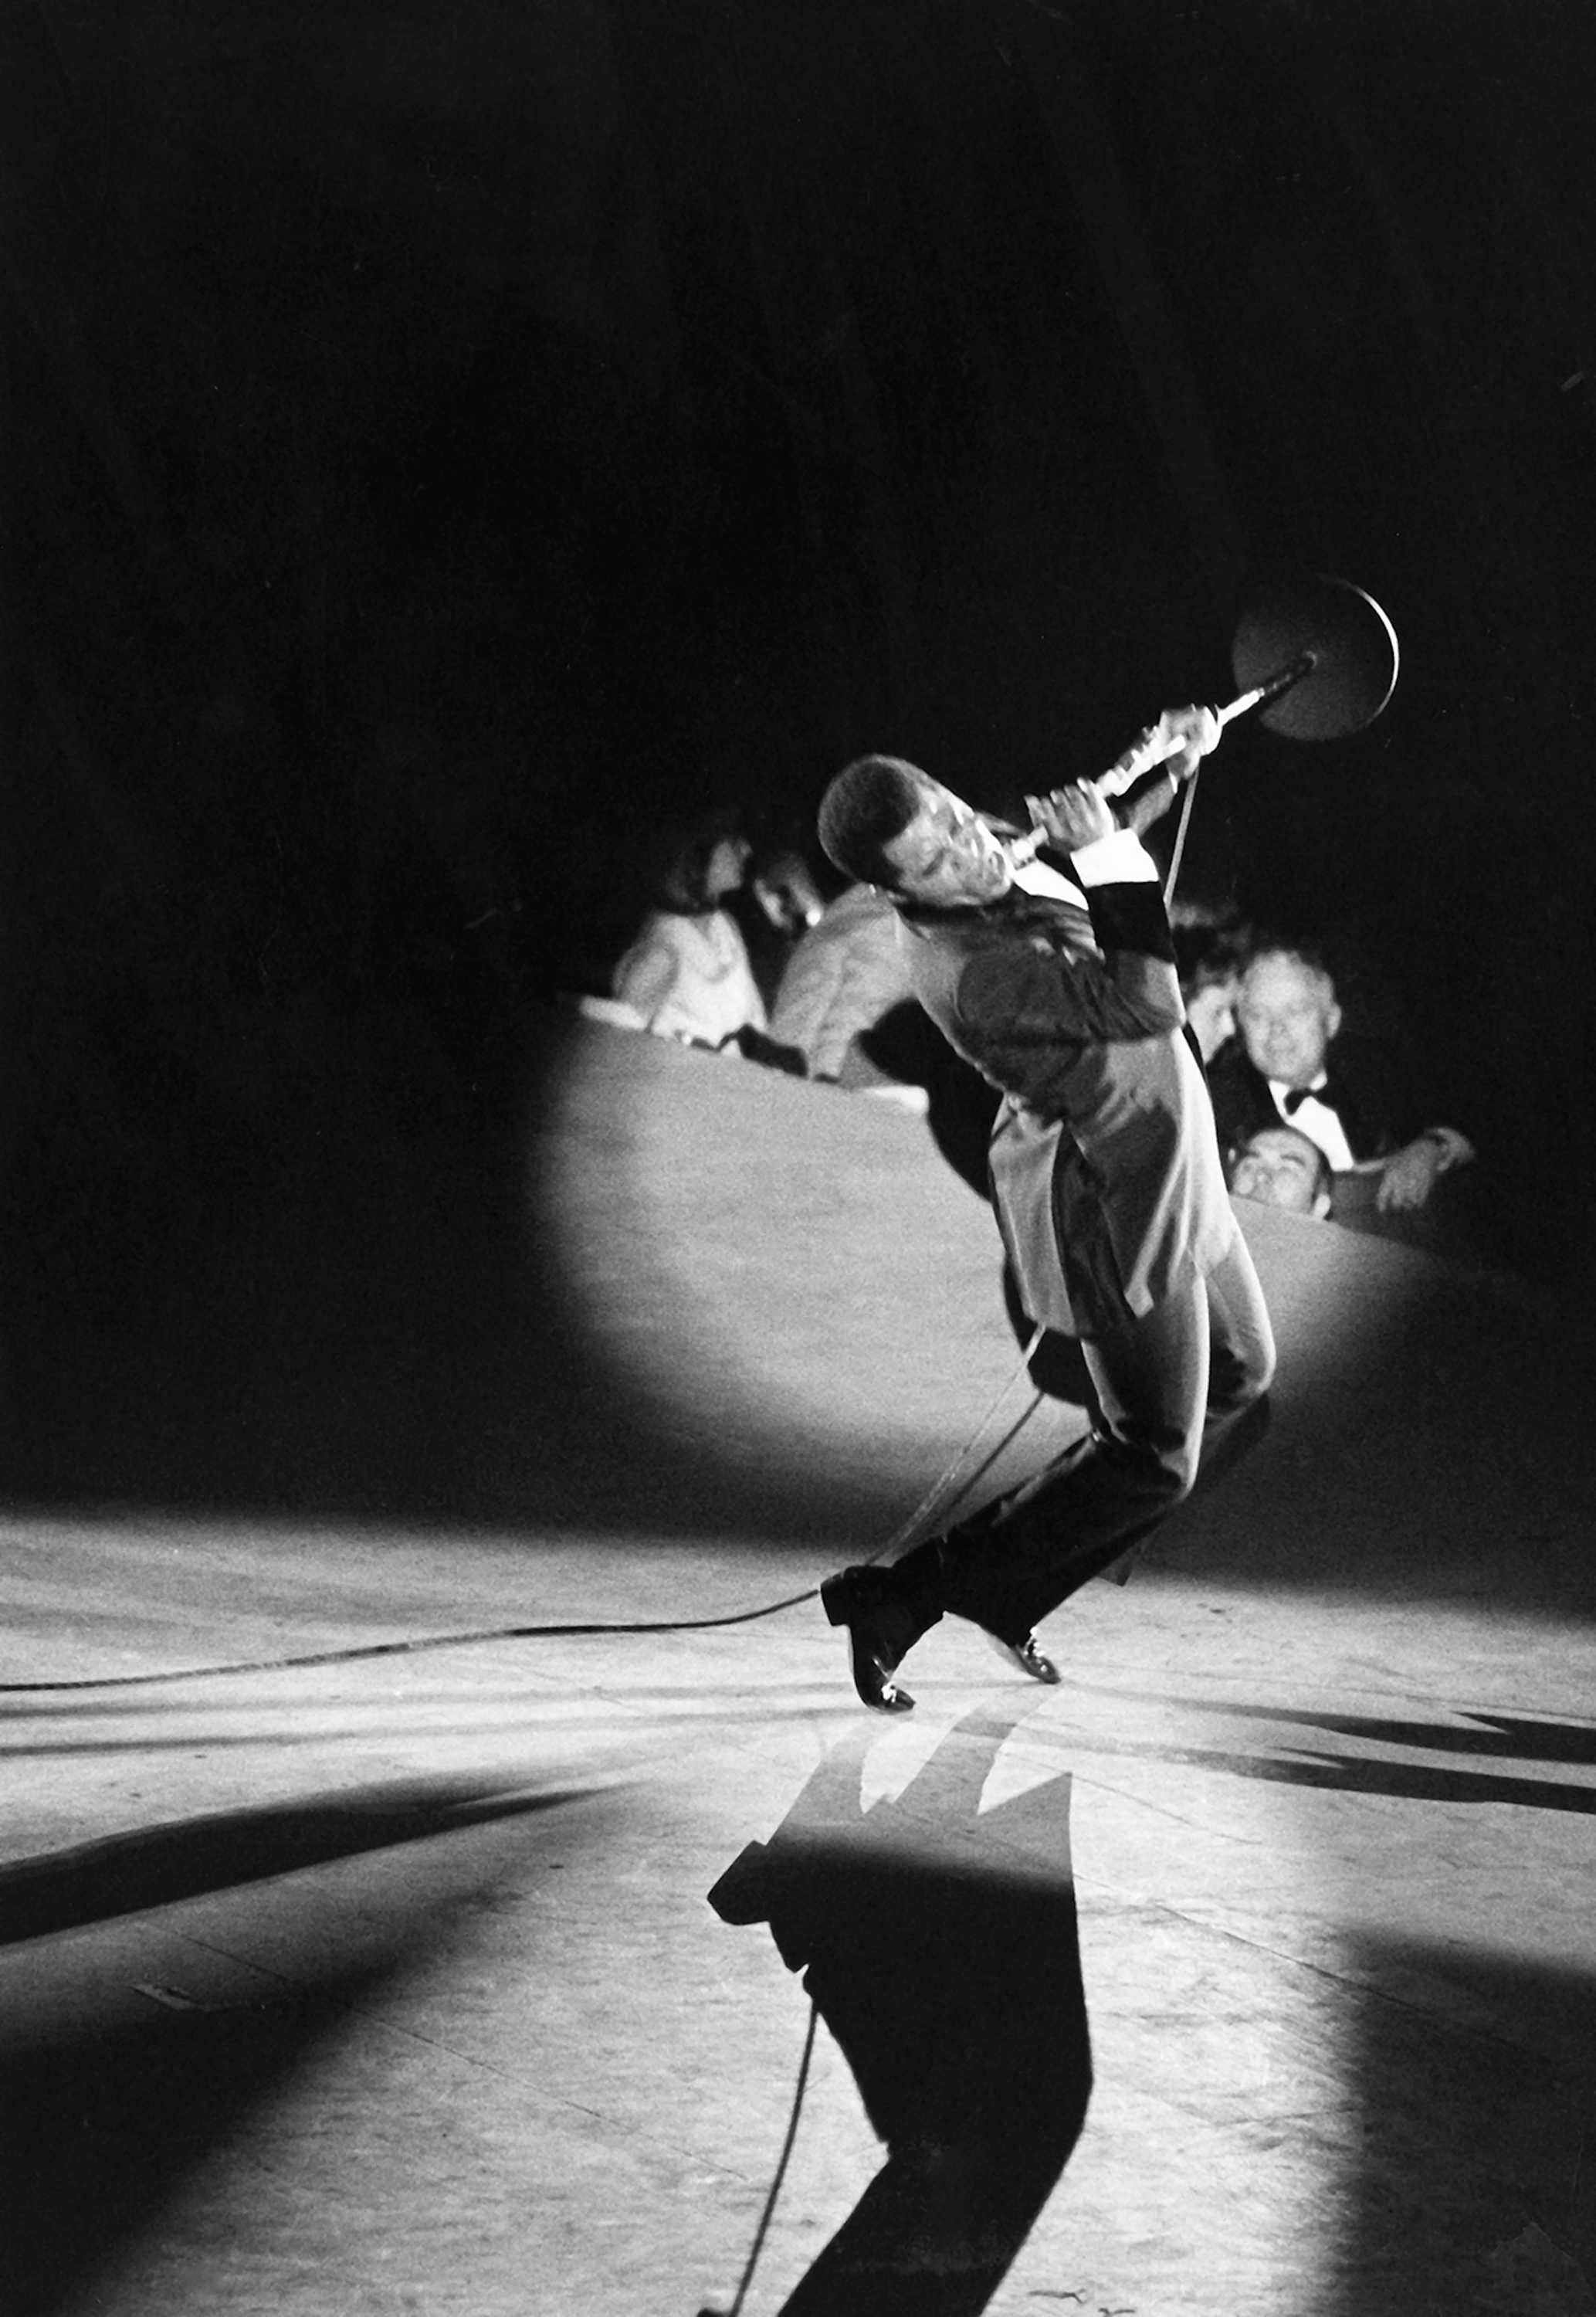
(1292, 1100)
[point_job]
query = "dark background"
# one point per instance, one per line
(442, 440)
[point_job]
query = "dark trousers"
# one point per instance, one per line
(1169, 1387)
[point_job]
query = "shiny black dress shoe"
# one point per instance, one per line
(879, 1630)
(1026, 1656)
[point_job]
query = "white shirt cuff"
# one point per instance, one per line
(1120, 858)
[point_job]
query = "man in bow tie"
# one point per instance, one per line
(1057, 982)
(1281, 1067)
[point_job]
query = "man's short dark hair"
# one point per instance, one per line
(682, 864)
(1207, 956)
(870, 802)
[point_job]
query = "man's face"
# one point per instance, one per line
(1282, 1169)
(1287, 1015)
(947, 858)
(789, 896)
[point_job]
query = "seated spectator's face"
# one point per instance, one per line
(1211, 1012)
(788, 894)
(724, 871)
(1280, 1167)
(1287, 1015)
(947, 857)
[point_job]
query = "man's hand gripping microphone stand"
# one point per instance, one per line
(1153, 747)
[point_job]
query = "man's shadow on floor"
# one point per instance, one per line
(939, 1945)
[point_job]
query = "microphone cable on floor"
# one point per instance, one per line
(352, 1652)
(761, 2232)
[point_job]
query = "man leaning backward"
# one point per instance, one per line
(1105, 1175)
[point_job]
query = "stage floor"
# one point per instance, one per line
(359, 1954)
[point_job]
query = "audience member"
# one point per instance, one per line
(846, 977)
(783, 884)
(777, 902)
(1282, 1167)
(1281, 1066)
(1209, 959)
(687, 973)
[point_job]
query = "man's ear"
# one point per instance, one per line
(1332, 1021)
(1321, 1205)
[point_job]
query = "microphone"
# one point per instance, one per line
(1131, 768)
(1152, 746)
(1023, 849)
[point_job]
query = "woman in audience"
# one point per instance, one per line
(687, 971)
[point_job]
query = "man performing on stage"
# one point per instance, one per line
(1105, 1174)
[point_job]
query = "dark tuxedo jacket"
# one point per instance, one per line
(1378, 1118)
(1105, 1169)
(1357, 1092)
